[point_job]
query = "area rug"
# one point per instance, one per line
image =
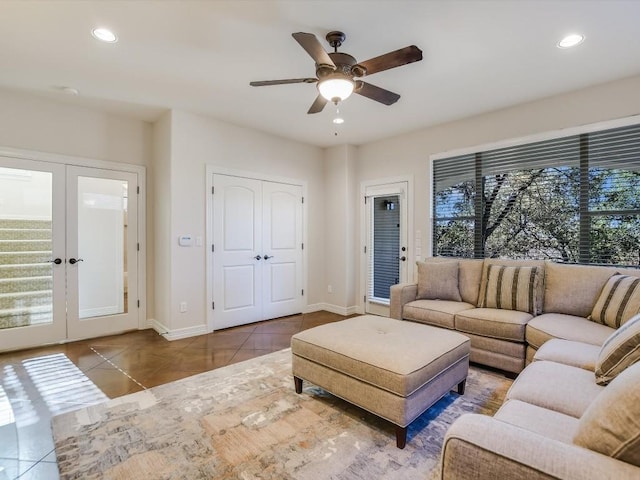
(245, 421)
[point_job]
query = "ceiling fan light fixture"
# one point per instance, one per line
(336, 89)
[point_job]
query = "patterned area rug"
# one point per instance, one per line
(245, 421)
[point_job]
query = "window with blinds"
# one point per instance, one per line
(573, 199)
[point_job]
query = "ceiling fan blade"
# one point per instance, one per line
(376, 93)
(393, 59)
(318, 104)
(283, 82)
(310, 43)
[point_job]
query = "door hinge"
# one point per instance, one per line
(213, 190)
(213, 248)
(303, 291)
(365, 249)
(364, 298)
(302, 199)
(302, 246)
(138, 303)
(138, 190)
(213, 305)
(138, 247)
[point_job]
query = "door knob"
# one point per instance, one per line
(73, 261)
(57, 261)
(267, 257)
(403, 258)
(258, 257)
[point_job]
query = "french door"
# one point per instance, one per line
(386, 243)
(257, 258)
(68, 244)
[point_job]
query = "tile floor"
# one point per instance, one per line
(39, 383)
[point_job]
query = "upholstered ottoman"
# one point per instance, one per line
(393, 368)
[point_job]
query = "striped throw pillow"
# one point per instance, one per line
(512, 288)
(619, 300)
(619, 351)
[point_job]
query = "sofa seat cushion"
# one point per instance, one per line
(567, 352)
(558, 387)
(533, 418)
(566, 327)
(494, 323)
(434, 312)
(611, 424)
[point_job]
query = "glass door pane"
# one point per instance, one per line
(26, 275)
(31, 276)
(101, 245)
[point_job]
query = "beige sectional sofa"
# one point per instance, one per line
(507, 339)
(557, 422)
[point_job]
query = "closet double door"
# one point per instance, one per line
(257, 250)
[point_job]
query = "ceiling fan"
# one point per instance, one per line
(338, 73)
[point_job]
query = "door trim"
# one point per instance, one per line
(140, 170)
(210, 171)
(381, 183)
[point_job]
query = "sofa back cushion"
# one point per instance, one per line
(512, 263)
(619, 351)
(619, 300)
(512, 288)
(611, 423)
(574, 289)
(438, 281)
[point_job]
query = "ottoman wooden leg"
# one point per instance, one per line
(461, 387)
(401, 436)
(298, 383)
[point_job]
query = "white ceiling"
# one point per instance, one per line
(200, 56)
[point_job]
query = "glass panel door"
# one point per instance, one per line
(101, 241)
(386, 246)
(32, 270)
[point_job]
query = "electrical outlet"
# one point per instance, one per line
(183, 307)
(329, 289)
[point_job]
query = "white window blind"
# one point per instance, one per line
(571, 199)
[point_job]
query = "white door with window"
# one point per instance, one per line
(68, 252)
(257, 250)
(386, 249)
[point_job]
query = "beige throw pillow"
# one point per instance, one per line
(438, 281)
(611, 424)
(512, 288)
(619, 300)
(619, 351)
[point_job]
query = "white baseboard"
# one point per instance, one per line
(317, 307)
(180, 332)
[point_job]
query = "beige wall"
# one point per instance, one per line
(341, 194)
(197, 141)
(409, 154)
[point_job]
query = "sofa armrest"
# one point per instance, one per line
(481, 447)
(401, 294)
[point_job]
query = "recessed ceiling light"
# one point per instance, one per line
(104, 35)
(571, 41)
